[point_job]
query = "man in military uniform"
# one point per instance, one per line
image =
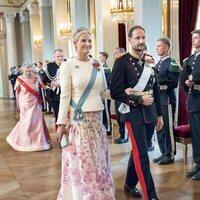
(103, 56)
(134, 84)
(168, 71)
(123, 138)
(51, 80)
(190, 81)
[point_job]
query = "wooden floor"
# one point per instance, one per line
(36, 175)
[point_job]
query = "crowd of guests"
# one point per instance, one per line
(80, 89)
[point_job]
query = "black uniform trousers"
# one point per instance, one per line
(120, 123)
(55, 105)
(139, 165)
(164, 137)
(194, 118)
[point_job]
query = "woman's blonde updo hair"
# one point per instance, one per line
(79, 32)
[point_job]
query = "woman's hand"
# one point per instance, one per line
(60, 131)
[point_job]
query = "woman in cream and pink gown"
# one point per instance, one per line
(30, 133)
(86, 172)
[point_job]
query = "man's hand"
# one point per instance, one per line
(147, 100)
(54, 84)
(189, 83)
(129, 91)
(159, 123)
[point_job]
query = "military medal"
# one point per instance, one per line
(190, 77)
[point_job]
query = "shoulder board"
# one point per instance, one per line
(186, 59)
(174, 66)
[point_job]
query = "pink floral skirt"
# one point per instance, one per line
(86, 173)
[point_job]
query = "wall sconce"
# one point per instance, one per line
(37, 41)
(122, 10)
(65, 30)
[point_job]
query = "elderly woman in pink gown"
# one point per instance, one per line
(30, 133)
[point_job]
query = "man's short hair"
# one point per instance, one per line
(59, 50)
(166, 41)
(121, 50)
(196, 31)
(134, 28)
(105, 54)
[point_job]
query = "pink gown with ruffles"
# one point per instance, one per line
(30, 133)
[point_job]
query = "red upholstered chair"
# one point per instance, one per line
(183, 136)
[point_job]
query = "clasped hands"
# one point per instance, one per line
(148, 100)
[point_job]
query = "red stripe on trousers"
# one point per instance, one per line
(137, 160)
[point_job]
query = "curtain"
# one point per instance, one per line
(122, 35)
(188, 11)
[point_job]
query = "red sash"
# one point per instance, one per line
(33, 92)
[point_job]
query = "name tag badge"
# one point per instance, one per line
(124, 108)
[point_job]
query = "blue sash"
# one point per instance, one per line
(78, 113)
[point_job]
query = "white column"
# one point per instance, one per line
(26, 37)
(46, 19)
(11, 43)
(59, 17)
(35, 30)
(149, 16)
(11, 39)
(79, 14)
(106, 30)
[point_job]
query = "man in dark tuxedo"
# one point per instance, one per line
(50, 78)
(134, 83)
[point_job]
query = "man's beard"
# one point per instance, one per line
(142, 47)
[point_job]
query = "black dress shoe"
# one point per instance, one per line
(121, 140)
(158, 158)
(133, 190)
(196, 176)
(165, 161)
(192, 172)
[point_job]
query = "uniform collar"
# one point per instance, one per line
(165, 57)
(132, 53)
(197, 53)
(58, 64)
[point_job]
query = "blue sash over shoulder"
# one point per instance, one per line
(78, 113)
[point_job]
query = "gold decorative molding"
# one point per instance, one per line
(165, 17)
(65, 28)
(12, 3)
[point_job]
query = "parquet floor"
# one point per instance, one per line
(36, 175)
